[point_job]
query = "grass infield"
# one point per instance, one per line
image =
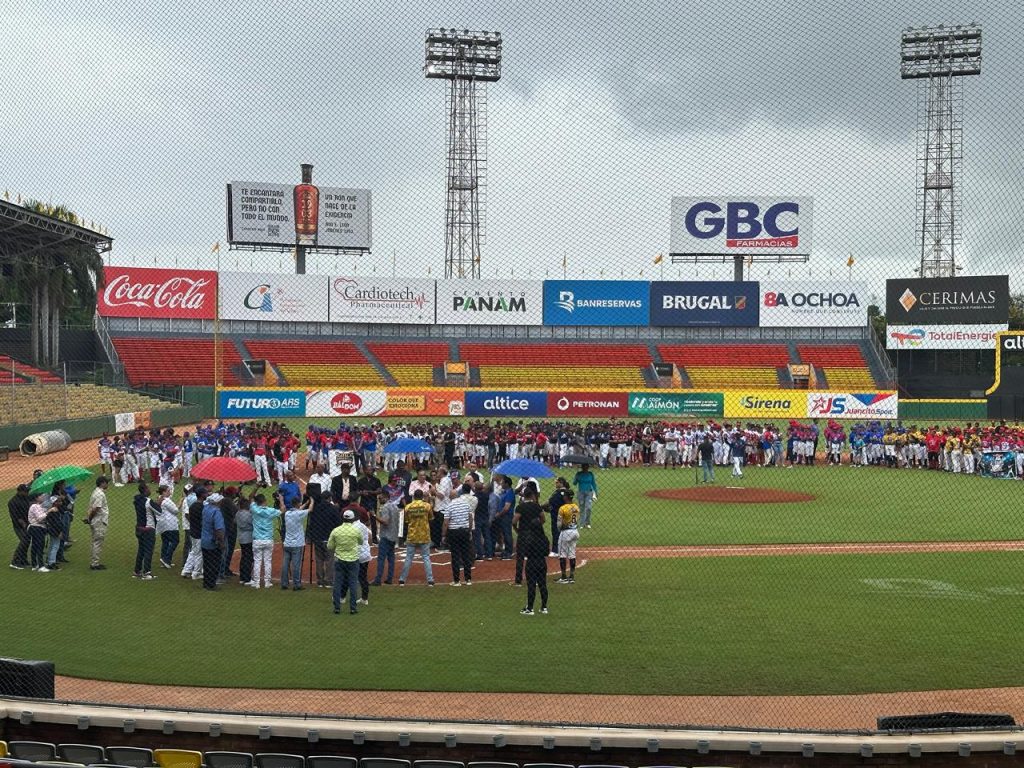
(738, 625)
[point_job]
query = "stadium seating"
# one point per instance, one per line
(87, 754)
(175, 361)
(317, 363)
(46, 402)
(728, 366)
(228, 760)
(844, 365)
(22, 373)
(549, 377)
(134, 757)
(34, 751)
(551, 354)
(178, 758)
(411, 364)
(304, 375)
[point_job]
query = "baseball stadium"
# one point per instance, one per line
(647, 392)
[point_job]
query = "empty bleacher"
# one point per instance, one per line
(410, 363)
(728, 366)
(30, 403)
(317, 363)
(21, 373)
(844, 365)
(551, 366)
(187, 361)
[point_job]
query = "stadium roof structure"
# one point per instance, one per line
(24, 232)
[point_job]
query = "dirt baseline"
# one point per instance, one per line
(725, 494)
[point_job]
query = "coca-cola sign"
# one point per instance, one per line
(163, 293)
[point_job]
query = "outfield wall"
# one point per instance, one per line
(285, 402)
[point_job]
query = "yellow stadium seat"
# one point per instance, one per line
(712, 377)
(330, 375)
(178, 758)
(412, 375)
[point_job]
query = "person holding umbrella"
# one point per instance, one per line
(37, 530)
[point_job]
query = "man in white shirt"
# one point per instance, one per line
(321, 478)
(98, 517)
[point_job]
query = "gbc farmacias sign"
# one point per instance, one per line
(162, 293)
(666, 405)
(490, 302)
(982, 300)
(720, 304)
(345, 402)
(282, 298)
(813, 304)
(741, 225)
(277, 214)
(379, 300)
(506, 403)
(258, 403)
(588, 404)
(852, 405)
(596, 302)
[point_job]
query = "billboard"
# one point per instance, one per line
(272, 214)
(737, 226)
(490, 302)
(596, 302)
(380, 300)
(697, 303)
(766, 404)
(666, 405)
(588, 404)
(283, 298)
(506, 403)
(260, 403)
(982, 300)
(813, 304)
(942, 336)
(164, 293)
(345, 402)
(425, 402)
(852, 405)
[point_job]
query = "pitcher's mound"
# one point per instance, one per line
(721, 494)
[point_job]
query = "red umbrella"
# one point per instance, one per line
(224, 469)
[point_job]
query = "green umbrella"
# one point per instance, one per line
(68, 473)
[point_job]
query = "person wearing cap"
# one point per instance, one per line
(262, 540)
(97, 519)
(294, 539)
(211, 538)
(344, 542)
(17, 507)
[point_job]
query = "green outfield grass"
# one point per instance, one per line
(783, 625)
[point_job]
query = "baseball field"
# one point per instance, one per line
(890, 580)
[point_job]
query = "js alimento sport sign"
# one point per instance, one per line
(852, 405)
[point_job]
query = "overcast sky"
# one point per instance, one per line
(137, 114)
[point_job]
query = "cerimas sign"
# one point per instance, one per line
(741, 225)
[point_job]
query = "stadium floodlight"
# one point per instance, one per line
(939, 57)
(468, 60)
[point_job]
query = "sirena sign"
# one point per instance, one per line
(163, 293)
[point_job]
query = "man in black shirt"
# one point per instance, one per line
(323, 518)
(534, 547)
(368, 487)
(706, 454)
(524, 521)
(18, 508)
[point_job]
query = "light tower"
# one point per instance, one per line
(940, 56)
(468, 60)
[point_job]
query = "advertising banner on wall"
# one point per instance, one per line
(942, 336)
(720, 304)
(741, 225)
(852, 405)
(671, 404)
(490, 302)
(813, 304)
(260, 403)
(189, 294)
(596, 302)
(766, 404)
(382, 300)
(322, 403)
(425, 402)
(283, 298)
(287, 214)
(587, 404)
(982, 300)
(483, 403)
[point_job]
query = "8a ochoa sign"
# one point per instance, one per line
(587, 404)
(766, 404)
(257, 403)
(506, 403)
(813, 304)
(666, 405)
(342, 402)
(852, 405)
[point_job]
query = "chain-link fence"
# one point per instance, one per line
(673, 381)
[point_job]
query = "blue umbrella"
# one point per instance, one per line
(524, 468)
(408, 445)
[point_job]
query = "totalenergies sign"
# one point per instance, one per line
(163, 293)
(741, 225)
